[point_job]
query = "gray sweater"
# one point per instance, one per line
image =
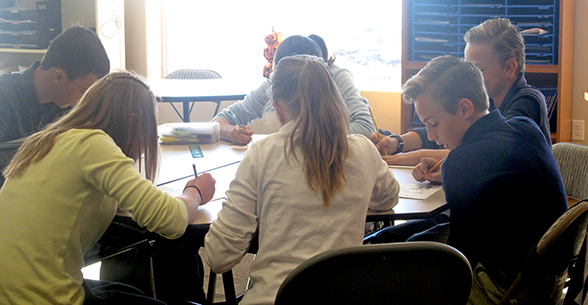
(257, 102)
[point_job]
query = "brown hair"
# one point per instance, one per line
(504, 38)
(121, 105)
(305, 87)
(448, 80)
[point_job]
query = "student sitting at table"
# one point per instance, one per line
(65, 185)
(256, 102)
(305, 189)
(46, 90)
(33, 98)
(498, 49)
(501, 181)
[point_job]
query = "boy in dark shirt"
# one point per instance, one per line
(497, 48)
(35, 97)
(501, 181)
(31, 99)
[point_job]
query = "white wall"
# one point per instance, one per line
(580, 85)
(78, 12)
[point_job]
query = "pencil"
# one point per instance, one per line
(234, 118)
(376, 125)
(195, 172)
(432, 168)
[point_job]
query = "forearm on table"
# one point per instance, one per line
(225, 128)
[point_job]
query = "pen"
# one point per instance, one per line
(195, 172)
(234, 118)
(432, 168)
(376, 125)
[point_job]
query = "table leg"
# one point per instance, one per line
(186, 106)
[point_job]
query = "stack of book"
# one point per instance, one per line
(189, 133)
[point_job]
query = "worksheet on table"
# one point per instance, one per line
(418, 190)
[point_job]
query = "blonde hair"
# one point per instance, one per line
(504, 38)
(121, 105)
(305, 87)
(447, 80)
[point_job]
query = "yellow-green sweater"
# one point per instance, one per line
(62, 205)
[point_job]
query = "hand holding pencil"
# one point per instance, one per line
(202, 186)
(429, 169)
(239, 134)
(380, 141)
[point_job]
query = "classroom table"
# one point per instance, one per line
(186, 91)
(410, 208)
(222, 160)
(176, 160)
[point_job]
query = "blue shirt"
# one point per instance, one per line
(504, 190)
(21, 113)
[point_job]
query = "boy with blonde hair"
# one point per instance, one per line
(501, 181)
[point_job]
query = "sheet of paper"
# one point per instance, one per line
(418, 190)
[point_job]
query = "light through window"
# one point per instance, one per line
(228, 36)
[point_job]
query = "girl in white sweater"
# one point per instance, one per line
(305, 189)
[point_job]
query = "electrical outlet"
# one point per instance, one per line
(578, 130)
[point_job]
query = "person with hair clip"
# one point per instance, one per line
(497, 48)
(303, 190)
(256, 102)
(65, 185)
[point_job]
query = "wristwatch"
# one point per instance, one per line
(400, 143)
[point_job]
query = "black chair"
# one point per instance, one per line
(231, 297)
(194, 74)
(400, 273)
(546, 270)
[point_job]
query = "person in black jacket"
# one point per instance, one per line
(46, 90)
(497, 48)
(501, 181)
(32, 98)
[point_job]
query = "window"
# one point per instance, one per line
(228, 36)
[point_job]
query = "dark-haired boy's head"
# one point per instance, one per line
(78, 52)
(74, 60)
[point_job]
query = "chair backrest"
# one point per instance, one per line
(572, 160)
(193, 74)
(545, 272)
(400, 273)
(564, 238)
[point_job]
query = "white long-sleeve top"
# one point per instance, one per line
(255, 103)
(270, 194)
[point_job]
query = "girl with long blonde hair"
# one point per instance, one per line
(66, 183)
(305, 189)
